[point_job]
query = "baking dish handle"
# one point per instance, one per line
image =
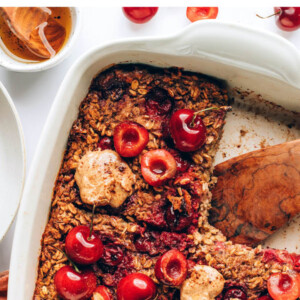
(244, 47)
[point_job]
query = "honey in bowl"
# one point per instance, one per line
(34, 33)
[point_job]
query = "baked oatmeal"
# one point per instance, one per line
(137, 222)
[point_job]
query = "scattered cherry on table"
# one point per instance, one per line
(171, 268)
(136, 286)
(201, 13)
(72, 285)
(83, 246)
(287, 18)
(140, 15)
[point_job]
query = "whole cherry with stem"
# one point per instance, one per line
(73, 284)
(287, 18)
(188, 130)
(82, 245)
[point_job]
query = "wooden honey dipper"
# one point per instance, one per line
(35, 27)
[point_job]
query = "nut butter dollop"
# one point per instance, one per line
(104, 178)
(205, 283)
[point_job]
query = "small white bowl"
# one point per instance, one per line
(19, 65)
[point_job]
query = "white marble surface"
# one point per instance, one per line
(33, 93)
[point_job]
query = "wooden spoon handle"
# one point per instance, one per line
(257, 193)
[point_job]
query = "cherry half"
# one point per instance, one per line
(171, 268)
(136, 286)
(140, 15)
(83, 246)
(72, 285)
(102, 293)
(283, 286)
(130, 138)
(201, 13)
(158, 166)
(187, 130)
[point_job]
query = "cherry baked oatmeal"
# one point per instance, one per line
(129, 214)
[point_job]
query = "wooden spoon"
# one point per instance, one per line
(257, 193)
(34, 26)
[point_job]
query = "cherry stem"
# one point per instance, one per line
(69, 259)
(275, 14)
(200, 111)
(92, 221)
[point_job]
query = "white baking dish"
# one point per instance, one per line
(244, 57)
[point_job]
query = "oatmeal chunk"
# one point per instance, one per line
(205, 283)
(104, 178)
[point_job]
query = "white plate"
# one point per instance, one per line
(12, 161)
(244, 57)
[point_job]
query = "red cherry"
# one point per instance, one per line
(140, 15)
(171, 268)
(71, 285)
(282, 286)
(188, 131)
(83, 248)
(235, 293)
(130, 139)
(102, 293)
(113, 255)
(201, 13)
(106, 143)
(181, 162)
(158, 166)
(176, 220)
(158, 102)
(296, 261)
(287, 18)
(136, 286)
